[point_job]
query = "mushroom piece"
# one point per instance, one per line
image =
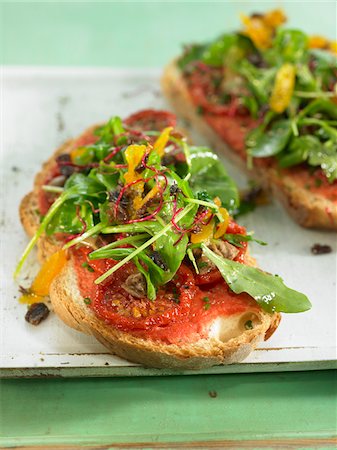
(224, 249)
(221, 248)
(135, 285)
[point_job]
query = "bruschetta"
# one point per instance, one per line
(266, 97)
(139, 248)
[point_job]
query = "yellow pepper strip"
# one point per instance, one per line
(133, 155)
(159, 145)
(317, 41)
(204, 234)
(275, 18)
(222, 226)
(260, 33)
(333, 47)
(283, 88)
(261, 29)
(76, 153)
(41, 285)
(206, 231)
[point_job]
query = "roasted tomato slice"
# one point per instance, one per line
(117, 306)
(150, 119)
(214, 276)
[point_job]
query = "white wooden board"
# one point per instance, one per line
(40, 109)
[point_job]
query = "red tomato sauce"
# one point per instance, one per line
(316, 183)
(182, 311)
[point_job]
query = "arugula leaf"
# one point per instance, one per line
(325, 156)
(298, 150)
(273, 141)
(191, 53)
(237, 239)
(108, 180)
(170, 245)
(151, 290)
(268, 290)
(215, 53)
(114, 127)
(66, 219)
(259, 81)
(76, 186)
(289, 46)
(208, 174)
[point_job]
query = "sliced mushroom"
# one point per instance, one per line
(135, 285)
(224, 249)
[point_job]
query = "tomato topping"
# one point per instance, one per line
(150, 119)
(212, 277)
(115, 305)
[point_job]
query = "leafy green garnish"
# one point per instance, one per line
(268, 290)
(208, 174)
(273, 141)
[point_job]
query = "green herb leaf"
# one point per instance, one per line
(268, 290)
(208, 174)
(273, 141)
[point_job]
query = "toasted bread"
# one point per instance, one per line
(228, 339)
(307, 208)
(228, 342)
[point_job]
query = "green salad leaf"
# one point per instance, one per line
(268, 290)
(208, 174)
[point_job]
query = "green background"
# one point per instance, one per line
(293, 406)
(133, 34)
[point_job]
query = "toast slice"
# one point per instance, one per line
(225, 339)
(228, 341)
(309, 209)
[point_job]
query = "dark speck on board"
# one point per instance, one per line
(213, 394)
(15, 169)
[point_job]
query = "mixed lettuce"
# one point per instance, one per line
(147, 201)
(286, 80)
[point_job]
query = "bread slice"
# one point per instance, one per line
(307, 208)
(228, 342)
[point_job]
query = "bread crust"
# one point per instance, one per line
(307, 208)
(69, 306)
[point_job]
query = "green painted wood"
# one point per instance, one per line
(132, 34)
(169, 409)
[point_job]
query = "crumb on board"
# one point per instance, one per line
(320, 249)
(213, 394)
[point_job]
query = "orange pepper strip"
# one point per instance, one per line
(133, 155)
(159, 145)
(204, 234)
(41, 284)
(222, 226)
